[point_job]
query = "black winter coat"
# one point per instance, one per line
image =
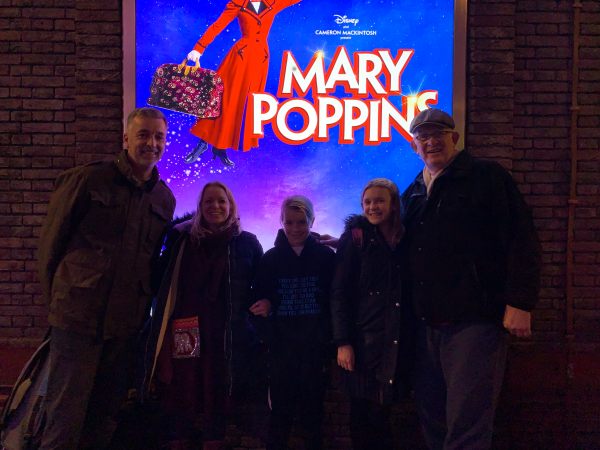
(472, 246)
(367, 307)
(241, 344)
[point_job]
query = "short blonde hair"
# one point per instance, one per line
(299, 203)
(200, 228)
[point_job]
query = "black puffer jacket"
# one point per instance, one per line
(240, 342)
(471, 244)
(367, 308)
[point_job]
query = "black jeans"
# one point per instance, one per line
(296, 390)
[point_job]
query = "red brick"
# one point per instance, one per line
(42, 104)
(49, 127)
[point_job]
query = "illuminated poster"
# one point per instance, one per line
(322, 93)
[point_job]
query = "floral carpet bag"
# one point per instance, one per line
(187, 89)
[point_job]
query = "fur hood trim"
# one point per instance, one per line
(355, 221)
(183, 223)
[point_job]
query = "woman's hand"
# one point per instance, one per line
(261, 308)
(345, 357)
(194, 56)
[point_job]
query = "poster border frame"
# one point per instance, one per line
(459, 64)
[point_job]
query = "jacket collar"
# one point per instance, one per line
(281, 240)
(245, 6)
(124, 166)
(458, 168)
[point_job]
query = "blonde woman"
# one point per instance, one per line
(204, 348)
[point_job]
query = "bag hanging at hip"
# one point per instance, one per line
(187, 89)
(186, 338)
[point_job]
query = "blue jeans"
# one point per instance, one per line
(458, 377)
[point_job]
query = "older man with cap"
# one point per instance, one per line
(474, 263)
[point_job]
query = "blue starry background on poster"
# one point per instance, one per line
(330, 174)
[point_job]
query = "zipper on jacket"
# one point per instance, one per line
(228, 332)
(145, 379)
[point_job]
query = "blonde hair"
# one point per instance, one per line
(299, 203)
(396, 206)
(200, 228)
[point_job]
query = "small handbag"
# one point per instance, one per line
(187, 89)
(186, 338)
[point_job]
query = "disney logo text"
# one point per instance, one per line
(344, 19)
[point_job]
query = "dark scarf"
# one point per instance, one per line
(204, 266)
(210, 258)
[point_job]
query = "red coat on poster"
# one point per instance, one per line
(244, 70)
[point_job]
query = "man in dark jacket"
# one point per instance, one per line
(474, 263)
(104, 223)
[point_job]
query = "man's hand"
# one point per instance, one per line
(261, 308)
(329, 240)
(194, 56)
(345, 357)
(517, 321)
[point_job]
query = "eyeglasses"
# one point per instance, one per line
(424, 137)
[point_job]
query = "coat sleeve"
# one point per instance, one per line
(162, 256)
(265, 279)
(256, 259)
(67, 206)
(343, 290)
(282, 4)
(231, 11)
(521, 245)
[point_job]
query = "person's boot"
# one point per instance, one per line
(200, 148)
(222, 155)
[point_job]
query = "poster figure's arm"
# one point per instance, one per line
(231, 11)
(282, 4)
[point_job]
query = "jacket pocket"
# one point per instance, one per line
(80, 286)
(369, 349)
(105, 218)
(81, 268)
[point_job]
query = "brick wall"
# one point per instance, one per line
(60, 105)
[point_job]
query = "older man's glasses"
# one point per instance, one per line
(424, 137)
